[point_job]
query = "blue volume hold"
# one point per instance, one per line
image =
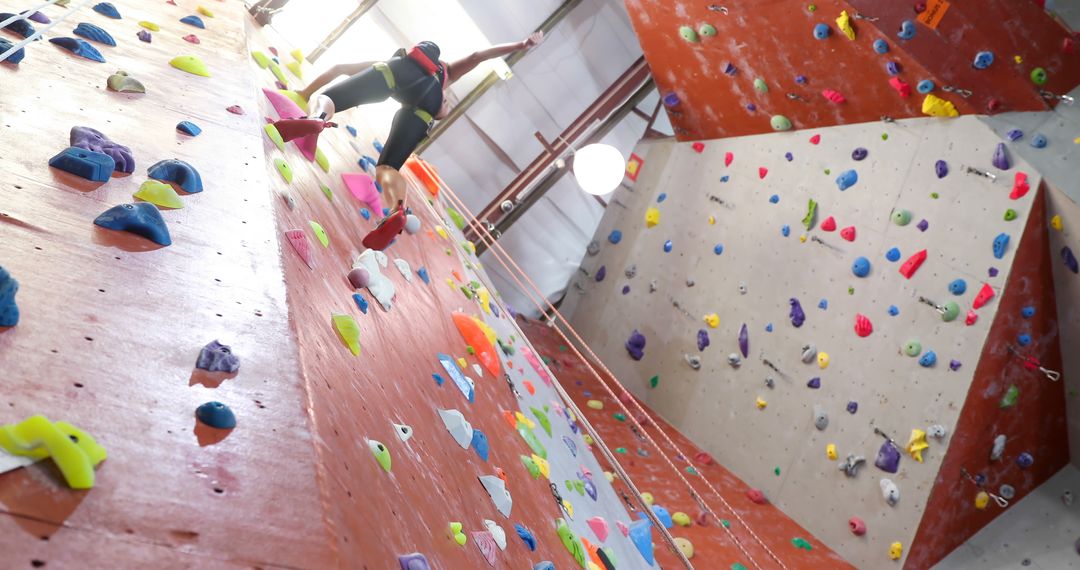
(106, 9)
(187, 127)
(94, 33)
(178, 171)
(93, 166)
(480, 444)
(216, 415)
(193, 21)
(14, 57)
(81, 48)
(142, 218)
(21, 26)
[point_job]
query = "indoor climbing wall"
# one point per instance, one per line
(743, 68)
(789, 301)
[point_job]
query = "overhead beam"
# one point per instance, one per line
(493, 78)
(340, 30)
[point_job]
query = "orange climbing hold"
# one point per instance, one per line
(475, 335)
(425, 173)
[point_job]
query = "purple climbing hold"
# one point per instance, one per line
(1070, 259)
(635, 345)
(859, 154)
(39, 17)
(954, 365)
(590, 488)
(888, 457)
(751, 107)
(625, 289)
(800, 79)
(671, 100)
(702, 339)
(892, 67)
(81, 48)
(1025, 460)
(798, 317)
(923, 225)
(744, 341)
(814, 383)
(790, 157)
(601, 273)
(1014, 135)
(1001, 157)
(144, 35)
(992, 272)
(94, 140)
(852, 407)
(16, 56)
(941, 168)
(730, 69)
(414, 561)
(217, 357)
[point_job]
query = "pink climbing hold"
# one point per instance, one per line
(698, 147)
(829, 224)
(848, 233)
(756, 496)
(834, 96)
(625, 530)
(1020, 186)
(728, 158)
(902, 87)
(984, 296)
(273, 50)
(192, 38)
(703, 458)
(302, 246)
(599, 527)
(288, 109)
(362, 187)
(702, 518)
(912, 264)
(815, 139)
(235, 109)
(857, 526)
(762, 172)
(485, 541)
(972, 316)
(863, 326)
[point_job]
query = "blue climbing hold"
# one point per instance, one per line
(9, 311)
(625, 289)
(718, 249)
(814, 383)
(422, 272)
(861, 267)
(615, 236)
(142, 219)
(928, 359)
(725, 178)
(351, 129)
(438, 379)
(178, 171)
(193, 21)
(377, 145)
(480, 444)
(16, 56)
(774, 199)
(983, 60)
(907, 30)
(925, 86)
(367, 163)
(892, 67)
(365, 213)
(81, 48)
(847, 179)
(106, 9)
(641, 535)
(216, 415)
(385, 212)
(94, 33)
(1025, 460)
(893, 310)
(187, 127)
(1024, 339)
(790, 157)
(852, 407)
(667, 246)
(664, 516)
(526, 536)
(544, 565)
(786, 230)
(1001, 242)
(1038, 141)
(822, 31)
(768, 327)
(1028, 312)
(93, 166)
(958, 287)
(361, 302)
(661, 197)
(881, 46)
(22, 26)
(823, 304)
(893, 255)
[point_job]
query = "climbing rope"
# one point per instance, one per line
(503, 258)
(37, 34)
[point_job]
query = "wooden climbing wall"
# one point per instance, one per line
(744, 269)
(774, 42)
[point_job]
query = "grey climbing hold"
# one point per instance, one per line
(821, 418)
(809, 353)
(1007, 492)
(936, 431)
(693, 361)
(851, 465)
(593, 248)
(734, 360)
(998, 448)
(890, 492)
(630, 271)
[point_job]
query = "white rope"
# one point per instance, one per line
(38, 33)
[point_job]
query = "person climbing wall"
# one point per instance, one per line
(416, 78)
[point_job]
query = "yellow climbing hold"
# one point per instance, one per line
(712, 220)
(525, 420)
(588, 439)
(297, 55)
(458, 536)
(652, 217)
(802, 238)
(73, 451)
(296, 98)
(205, 12)
(761, 403)
(844, 23)
(545, 467)
(685, 546)
(713, 320)
(284, 170)
(320, 234)
(935, 106)
(647, 498)
(150, 26)
(1055, 222)
(485, 299)
(595, 404)
(261, 59)
(462, 363)
(469, 247)
(896, 550)
(191, 64)
(349, 331)
(981, 500)
(322, 161)
(1018, 59)
(609, 476)
(830, 451)
(442, 232)
(823, 360)
(280, 75)
(680, 518)
(273, 134)
(295, 68)
(159, 194)
(916, 444)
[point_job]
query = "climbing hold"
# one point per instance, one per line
(158, 194)
(414, 561)
(1001, 242)
(16, 56)
(760, 86)
(192, 38)
(93, 166)
(455, 533)
(1027, 312)
(1025, 460)
(821, 418)
(140, 218)
(950, 312)
(1039, 141)
(189, 128)
(381, 453)
(847, 180)
(859, 154)
(652, 217)
(284, 170)
(896, 551)
(193, 21)
(856, 526)
(785, 230)
(850, 466)
(983, 60)
(635, 345)
(916, 444)
(480, 444)
(1023, 340)
(958, 287)
(216, 415)
(809, 353)
(123, 83)
(863, 326)
(349, 332)
(861, 267)
(108, 10)
(667, 246)
(688, 34)
(830, 451)
(998, 449)
(901, 217)
(178, 172)
(941, 168)
(1039, 76)
(1000, 159)
(1009, 399)
(852, 407)
(780, 123)
(1020, 186)
(893, 255)
(20, 27)
(907, 30)
(881, 46)
(93, 140)
(756, 496)
(902, 87)
(925, 86)
(889, 491)
(615, 236)
(822, 31)
(94, 33)
(707, 30)
(844, 23)
(191, 64)
(1014, 135)
(814, 383)
(935, 106)
(774, 199)
(1010, 215)
(9, 311)
(1069, 259)
(81, 48)
(912, 348)
(811, 215)
(798, 317)
(848, 233)
(150, 26)
(913, 263)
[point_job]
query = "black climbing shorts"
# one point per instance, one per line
(406, 82)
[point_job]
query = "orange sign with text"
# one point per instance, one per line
(935, 11)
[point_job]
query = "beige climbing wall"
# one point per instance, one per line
(715, 405)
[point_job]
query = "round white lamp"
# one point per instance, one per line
(599, 168)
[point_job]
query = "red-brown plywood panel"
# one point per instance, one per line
(712, 547)
(1035, 424)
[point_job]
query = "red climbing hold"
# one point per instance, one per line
(902, 87)
(698, 147)
(829, 224)
(834, 96)
(912, 264)
(815, 139)
(848, 233)
(1020, 186)
(984, 296)
(235, 109)
(756, 496)
(762, 172)
(388, 229)
(863, 326)
(1068, 46)
(703, 458)
(192, 38)
(291, 129)
(993, 105)
(972, 316)
(728, 158)
(857, 526)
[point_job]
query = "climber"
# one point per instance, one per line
(416, 78)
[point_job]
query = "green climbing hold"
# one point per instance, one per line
(654, 381)
(278, 73)
(1010, 397)
(688, 34)
(913, 348)
(459, 221)
(531, 465)
(884, 136)
(761, 87)
(468, 292)
(726, 523)
(738, 566)
(1038, 76)
(159, 194)
(320, 234)
(691, 470)
(543, 419)
(802, 543)
(901, 217)
(579, 486)
(326, 191)
(295, 68)
(620, 416)
(811, 213)
(191, 64)
(952, 310)
(259, 57)
(850, 290)
(828, 171)
(707, 30)
(470, 350)
(562, 348)
(283, 169)
(777, 471)
(571, 542)
(382, 454)
(322, 161)
(780, 122)
(1010, 215)
(295, 97)
(273, 134)
(935, 195)
(530, 438)
(620, 450)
